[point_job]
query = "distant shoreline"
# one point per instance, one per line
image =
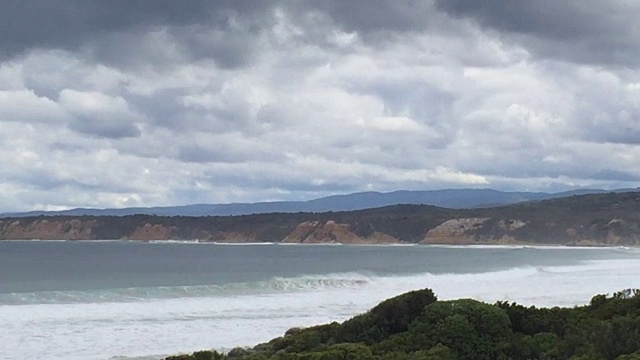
(266, 243)
(611, 219)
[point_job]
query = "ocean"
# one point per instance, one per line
(132, 300)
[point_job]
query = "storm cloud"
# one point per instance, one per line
(138, 103)
(590, 32)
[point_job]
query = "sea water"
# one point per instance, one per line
(123, 300)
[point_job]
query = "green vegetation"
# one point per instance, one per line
(415, 326)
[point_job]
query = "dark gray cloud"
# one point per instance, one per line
(122, 32)
(108, 128)
(619, 127)
(66, 23)
(592, 31)
(227, 31)
(228, 46)
(376, 16)
(227, 150)
(553, 19)
(617, 175)
(111, 30)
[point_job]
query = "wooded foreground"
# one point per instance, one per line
(416, 326)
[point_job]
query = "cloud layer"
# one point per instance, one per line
(128, 103)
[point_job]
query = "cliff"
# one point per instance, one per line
(603, 219)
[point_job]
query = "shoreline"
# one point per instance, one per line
(487, 245)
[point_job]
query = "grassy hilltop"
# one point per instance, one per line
(416, 326)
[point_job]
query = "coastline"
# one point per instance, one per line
(588, 220)
(486, 245)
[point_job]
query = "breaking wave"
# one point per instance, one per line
(274, 285)
(502, 281)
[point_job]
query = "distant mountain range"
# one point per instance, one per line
(451, 198)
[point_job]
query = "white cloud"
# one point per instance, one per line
(292, 104)
(26, 107)
(91, 103)
(390, 124)
(100, 115)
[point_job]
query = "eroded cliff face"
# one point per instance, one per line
(469, 231)
(315, 232)
(77, 229)
(309, 232)
(152, 232)
(490, 231)
(47, 229)
(454, 231)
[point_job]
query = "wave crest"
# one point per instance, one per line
(272, 286)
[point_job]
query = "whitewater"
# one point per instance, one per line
(126, 300)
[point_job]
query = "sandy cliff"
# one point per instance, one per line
(47, 229)
(313, 232)
(454, 231)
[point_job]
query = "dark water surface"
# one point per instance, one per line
(29, 266)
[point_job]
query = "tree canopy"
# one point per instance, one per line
(416, 326)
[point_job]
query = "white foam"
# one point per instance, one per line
(334, 243)
(239, 243)
(158, 325)
(529, 246)
(274, 285)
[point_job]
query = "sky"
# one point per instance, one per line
(127, 103)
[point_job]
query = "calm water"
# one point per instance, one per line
(101, 300)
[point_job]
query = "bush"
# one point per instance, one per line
(390, 317)
(474, 330)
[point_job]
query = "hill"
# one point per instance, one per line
(452, 198)
(595, 219)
